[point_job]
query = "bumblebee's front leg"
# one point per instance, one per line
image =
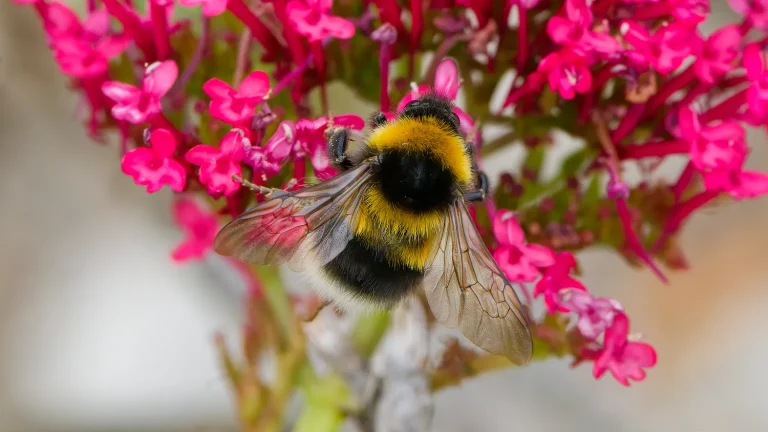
(481, 183)
(338, 139)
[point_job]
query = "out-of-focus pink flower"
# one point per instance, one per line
(624, 359)
(236, 106)
(739, 184)
(555, 279)
(568, 72)
(312, 19)
(669, 46)
(754, 10)
(268, 159)
(310, 139)
(218, 165)
(689, 9)
(719, 148)
(574, 30)
(61, 21)
(528, 4)
(718, 54)
(447, 84)
(199, 226)
(82, 59)
(154, 166)
(757, 74)
(519, 260)
(211, 8)
(595, 314)
(137, 105)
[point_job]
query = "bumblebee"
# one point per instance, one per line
(394, 221)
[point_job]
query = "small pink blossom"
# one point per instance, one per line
(268, 159)
(211, 8)
(689, 9)
(154, 166)
(311, 140)
(757, 74)
(594, 314)
(739, 185)
(138, 105)
(574, 30)
(218, 165)
(200, 227)
(718, 148)
(61, 21)
(447, 83)
(555, 279)
(519, 260)
(755, 10)
(312, 19)
(626, 360)
(82, 59)
(236, 106)
(718, 54)
(568, 72)
(669, 46)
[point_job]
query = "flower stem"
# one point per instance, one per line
(132, 26)
(242, 57)
(522, 38)
(441, 51)
(654, 149)
(258, 29)
(628, 123)
(683, 181)
(417, 28)
(680, 214)
(384, 59)
(650, 11)
(726, 108)
(670, 87)
(194, 62)
(160, 30)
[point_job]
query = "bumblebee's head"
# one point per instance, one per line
(422, 161)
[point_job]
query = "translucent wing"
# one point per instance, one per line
(466, 289)
(305, 229)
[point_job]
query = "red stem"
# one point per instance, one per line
(522, 38)
(628, 123)
(132, 25)
(683, 181)
(160, 30)
(669, 88)
(295, 42)
(654, 149)
(650, 11)
(622, 208)
(384, 59)
(417, 28)
(727, 108)
(160, 121)
(258, 30)
(602, 76)
(681, 212)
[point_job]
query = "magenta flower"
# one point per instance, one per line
(310, 139)
(574, 30)
(266, 161)
(757, 74)
(739, 185)
(199, 226)
(555, 279)
(447, 83)
(218, 165)
(754, 10)
(211, 8)
(519, 260)
(312, 19)
(82, 59)
(154, 166)
(594, 314)
(568, 72)
(236, 106)
(669, 46)
(719, 148)
(689, 9)
(137, 105)
(718, 54)
(626, 360)
(61, 21)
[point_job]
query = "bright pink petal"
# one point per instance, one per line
(118, 91)
(538, 255)
(112, 46)
(97, 22)
(163, 142)
(233, 145)
(466, 123)
(202, 154)
(280, 144)
(62, 21)
(688, 123)
(350, 121)
(337, 27)
(751, 184)
(507, 230)
(175, 175)
(447, 79)
(159, 78)
(255, 85)
(212, 8)
(753, 61)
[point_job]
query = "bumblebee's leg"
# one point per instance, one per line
(338, 138)
(266, 191)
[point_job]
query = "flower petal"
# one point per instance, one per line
(119, 92)
(202, 154)
(163, 142)
(255, 85)
(447, 79)
(159, 78)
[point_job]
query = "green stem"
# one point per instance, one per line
(369, 330)
(280, 306)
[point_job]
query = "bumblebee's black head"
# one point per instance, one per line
(421, 159)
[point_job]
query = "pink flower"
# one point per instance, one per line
(718, 54)
(757, 74)
(236, 106)
(687, 9)
(555, 279)
(154, 166)
(719, 148)
(739, 185)
(267, 160)
(137, 105)
(626, 360)
(311, 140)
(61, 21)
(755, 10)
(81, 59)
(211, 8)
(312, 19)
(447, 84)
(218, 165)
(568, 72)
(669, 46)
(200, 227)
(595, 314)
(574, 30)
(519, 261)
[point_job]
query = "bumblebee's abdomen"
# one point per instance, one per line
(365, 274)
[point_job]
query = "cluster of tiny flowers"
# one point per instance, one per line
(639, 72)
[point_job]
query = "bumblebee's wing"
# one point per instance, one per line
(465, 288)
(305, 229)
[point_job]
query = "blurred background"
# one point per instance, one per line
(99, 330)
